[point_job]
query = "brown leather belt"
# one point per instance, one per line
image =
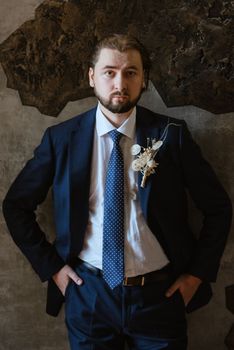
(141, 280)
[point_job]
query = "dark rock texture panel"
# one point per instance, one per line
(191, 45)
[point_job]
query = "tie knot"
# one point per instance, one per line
(115, 135)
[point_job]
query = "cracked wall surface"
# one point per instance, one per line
(191, 45)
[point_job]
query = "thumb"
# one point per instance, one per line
(73, 275)
(172, 289)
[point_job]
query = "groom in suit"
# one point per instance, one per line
(125, 259)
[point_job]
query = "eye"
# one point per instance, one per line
(131, 73)
(109, 73)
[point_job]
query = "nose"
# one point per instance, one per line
(120, 83)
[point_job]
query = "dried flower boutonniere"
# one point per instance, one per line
(145, 162)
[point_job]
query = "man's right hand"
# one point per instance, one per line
(63, 277)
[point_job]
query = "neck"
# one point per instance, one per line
(116, 119)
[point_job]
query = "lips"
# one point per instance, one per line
(119, 96)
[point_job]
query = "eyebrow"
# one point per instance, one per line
(115, 67)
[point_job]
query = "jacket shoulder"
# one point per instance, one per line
(59, 135)
(147, 117)
(71, 124)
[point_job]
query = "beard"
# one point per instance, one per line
(120, 107)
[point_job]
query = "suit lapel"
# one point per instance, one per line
(80, 155)
(145, 128)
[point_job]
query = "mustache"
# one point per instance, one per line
(118, 93)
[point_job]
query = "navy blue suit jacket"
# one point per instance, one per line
(63, 160)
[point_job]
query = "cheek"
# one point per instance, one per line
(136, 88)
(103, 85)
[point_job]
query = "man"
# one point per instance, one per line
(124, 257)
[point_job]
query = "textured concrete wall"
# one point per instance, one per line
(23, 322)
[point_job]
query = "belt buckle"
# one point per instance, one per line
(126, 281)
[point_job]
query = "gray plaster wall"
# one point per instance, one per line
(23, 321)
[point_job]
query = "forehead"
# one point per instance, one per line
(117, 59)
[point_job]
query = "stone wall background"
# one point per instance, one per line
(23, 322)
(190, 43)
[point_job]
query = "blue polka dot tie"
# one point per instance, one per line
(113, 225)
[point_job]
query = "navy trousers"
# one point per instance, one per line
(98, 318)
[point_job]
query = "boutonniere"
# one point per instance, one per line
(145, 162)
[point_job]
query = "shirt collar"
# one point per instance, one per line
(103, 126)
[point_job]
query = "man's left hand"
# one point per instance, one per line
(187, 286)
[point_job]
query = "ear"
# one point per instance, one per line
(91, 77)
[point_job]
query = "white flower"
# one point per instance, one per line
(135, 149)
(157, 145)
(136, 165)
(151, 163)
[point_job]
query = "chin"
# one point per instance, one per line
(120, 109)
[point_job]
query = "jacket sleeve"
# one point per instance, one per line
(25, 194)
(211, 199)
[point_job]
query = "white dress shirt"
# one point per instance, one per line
(142, 251)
